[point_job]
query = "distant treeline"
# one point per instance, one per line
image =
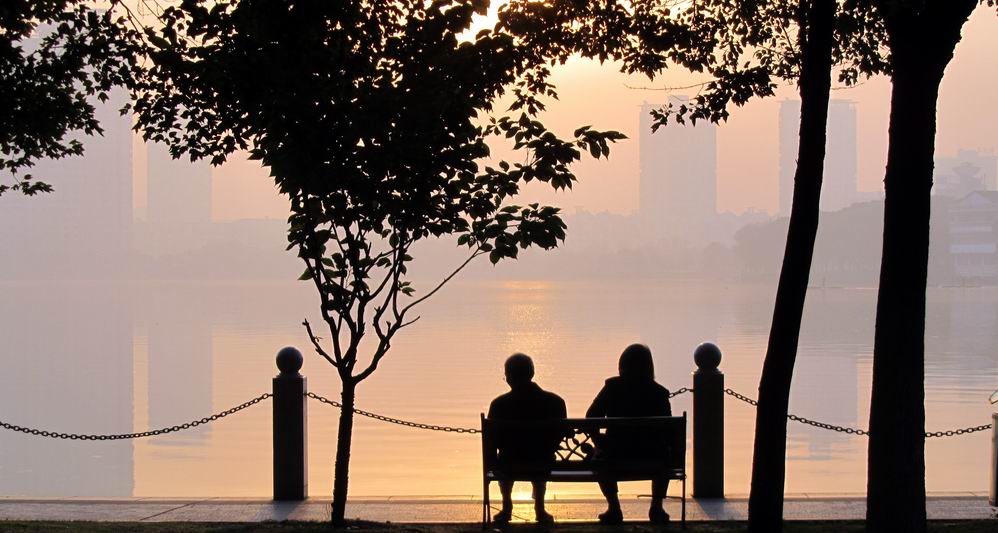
(599, 246)
(848, 246)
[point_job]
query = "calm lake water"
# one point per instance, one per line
(121, 358)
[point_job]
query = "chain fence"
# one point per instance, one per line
(677, 392)
(428, 427)
(857, 431)
(390, 420)
(122, 436)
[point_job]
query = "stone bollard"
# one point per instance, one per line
(708, 423)
(290, 428)
(993, 497)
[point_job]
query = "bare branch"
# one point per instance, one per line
(383, 346)
(395, 253)
(409, 323)
(334, 328)
(669, 89)
(315, 343)
(457, 270)
(392, 296)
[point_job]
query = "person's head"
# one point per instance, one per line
(636, 363)
(519, 369)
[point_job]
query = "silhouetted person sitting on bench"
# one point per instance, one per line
(526, 401)
(631, 394)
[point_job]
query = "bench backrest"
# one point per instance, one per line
(577, 445)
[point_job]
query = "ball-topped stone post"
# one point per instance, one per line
(993, 490)
(290, 427)
(708, 423)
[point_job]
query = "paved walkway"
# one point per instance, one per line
(411, 510)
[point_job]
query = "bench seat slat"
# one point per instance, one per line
(589, 476)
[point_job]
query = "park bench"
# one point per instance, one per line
(575, 461)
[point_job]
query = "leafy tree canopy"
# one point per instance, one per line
(743, 48)
(56, 56)
(373, 118)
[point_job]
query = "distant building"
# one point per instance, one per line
(179, 201)
(973, 227)
(678, 196)
(967, 172)
(83, 229)
(69, 365)
(840, 184)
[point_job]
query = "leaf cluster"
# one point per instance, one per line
(56, 58)
(374, 119)
(743, 48)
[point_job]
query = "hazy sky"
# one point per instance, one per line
(747, 144)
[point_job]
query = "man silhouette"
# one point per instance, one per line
(526, 401)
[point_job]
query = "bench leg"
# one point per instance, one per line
(683, 512)
(486, 507)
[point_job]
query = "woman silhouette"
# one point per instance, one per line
(633, 393)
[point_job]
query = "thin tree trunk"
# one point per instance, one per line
(922, 44)
(769, 456)
(343, 441)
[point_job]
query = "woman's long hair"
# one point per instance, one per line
(636, 363)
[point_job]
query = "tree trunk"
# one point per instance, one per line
(343, 440)
(922, 44)
(896, 460)
(769, 456)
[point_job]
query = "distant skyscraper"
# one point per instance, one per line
(840, 184)
(179, 201)
(83, 229)
(678, 195)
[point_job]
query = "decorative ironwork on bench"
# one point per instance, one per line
(578, 446)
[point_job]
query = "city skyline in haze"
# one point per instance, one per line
(748, 154)
(748, 161)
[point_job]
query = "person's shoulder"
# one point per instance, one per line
(499, 401)
(660, 389)
(504, 397)
(614, 381)
(614, 385)
(550, 398)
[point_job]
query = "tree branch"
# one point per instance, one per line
(477, 253)
(315, 343)
(669, 89)
(383, 345)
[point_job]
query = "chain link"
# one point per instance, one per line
(430, 427)
(746, 399)
(831, 427)
(391, 420)
(856, 431)
(962, 431)
(122, 436)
